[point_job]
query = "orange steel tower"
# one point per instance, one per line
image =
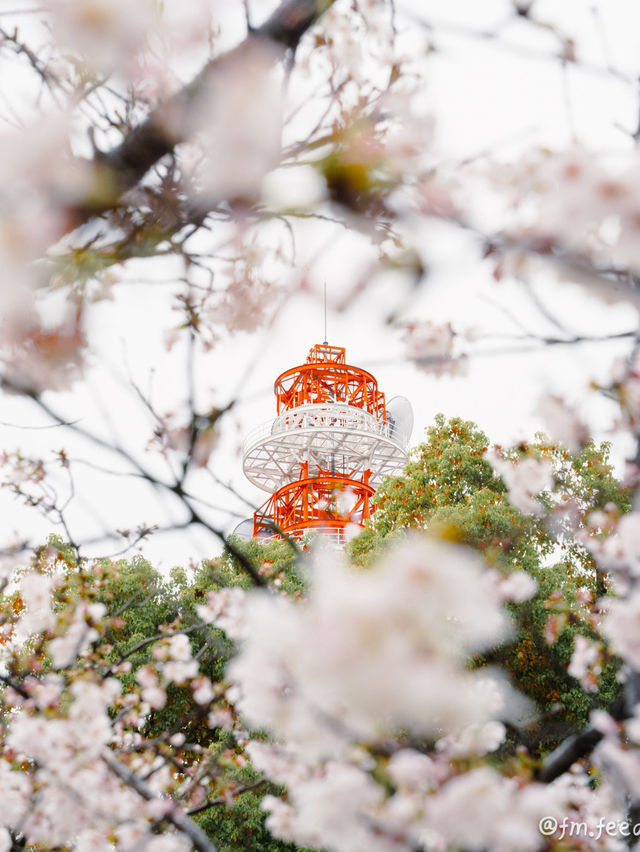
(332, 441)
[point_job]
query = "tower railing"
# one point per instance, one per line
(327, 416)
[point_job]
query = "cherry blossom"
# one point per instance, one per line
(78, 635)
(620, 550)
(226, 609)
(474, 739)
(482, 809)
(431, 346)
(525, 478)
(247, 82)
(106, 33)
(562, 423)
(620, 625)
(585, 655)
(517, 586)
(411, 770)
(345, 664)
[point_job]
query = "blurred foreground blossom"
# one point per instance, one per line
(431, 346)
(562, 423)
(369, 653)
(619, 550)
(236, 154)
(226, 609)
(582, 666)
(622, 627)
(364, 655)
(107, 34)
(525, 478)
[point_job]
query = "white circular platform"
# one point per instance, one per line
(336, 437)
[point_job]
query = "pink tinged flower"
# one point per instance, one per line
(179, 671)
(525, 479)
(408, 769)
(180, 647)
(431, 346)
(108, 34)
(155, 696)
(226, 609)
(481, 809)
(220, 719)
(92, 841)
(132, 835)
(562, 424)
(554, 626)
(96, 612)
(203, 691)
(158, 808)
(517, 587)
(585, 655)
(75, 642)
(146, 676)
(474, 739)
(16, 791)
(332, 808)
(46, 691)
(365, 651)
(621, 550)
(281, 819)
(621, 625)
(603, 722)
(36, 593)
(6, 843)
(167, 843)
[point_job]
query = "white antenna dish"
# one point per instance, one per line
(244, 529)
(400, 419)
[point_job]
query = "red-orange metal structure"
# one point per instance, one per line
(326, 377)
(327, 501)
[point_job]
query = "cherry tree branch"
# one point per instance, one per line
(182, 822)
(157, 136)
(221, 800)
(567, 753)
(175, 488)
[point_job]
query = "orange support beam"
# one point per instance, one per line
(315, 503)
(326, 378)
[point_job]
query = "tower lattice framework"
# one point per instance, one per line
(331, 443)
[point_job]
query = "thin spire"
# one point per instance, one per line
(325, 341)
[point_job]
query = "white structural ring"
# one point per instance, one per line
(335, 437)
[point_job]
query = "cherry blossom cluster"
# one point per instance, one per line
(370, 654)
(77, 768)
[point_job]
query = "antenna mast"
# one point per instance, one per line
(325, 342)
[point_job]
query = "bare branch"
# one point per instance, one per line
(221, 800)
(182, 822)
(169, 124)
